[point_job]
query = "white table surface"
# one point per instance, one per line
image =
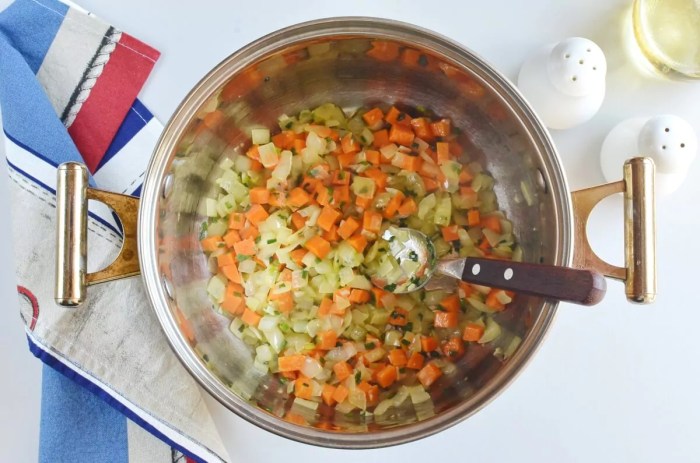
(612, 383)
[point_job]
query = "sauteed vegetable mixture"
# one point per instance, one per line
(292, 237)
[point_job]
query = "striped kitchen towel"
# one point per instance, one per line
(68, 87)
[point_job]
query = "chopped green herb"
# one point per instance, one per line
(390, 287)
(273, 240)
(358, 377)
(405, 342)
(241, 257)
(409, 326)
(369, 345)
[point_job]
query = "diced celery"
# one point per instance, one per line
(443, 212)
(210, 207)
(217, 287)
(491, 332)
(268, 155)
(363, 187)
(426, 204)
(260, 136)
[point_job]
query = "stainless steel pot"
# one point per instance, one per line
(300, 67)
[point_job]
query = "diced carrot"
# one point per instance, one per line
(318, 246)
(236, 220)
(341, 177)
(259, 195)
(398, 317)
(386, 376)
(341, 194)
(428, 343)
(321, 130)
(291, 362)
(492, 300)
(359, 296)
(393, 205)
(381, 138)
(231, 238)
(331, 235)
(327, 340)
(245, 247)
(249, 317)
(256, 214)
(342, 370)
(253, 153)
(450, 233)
(325, 307)
(446, 319)
(466, 288)
(278, 198)
(415, 362)
(472, 332)
(451, 303)
(234, 305)
(348, 144)
(231, 272)
(250, 232)
(371, 392)
(185, 325)
(358, 242)
(342, 292)
(348, 227)
(430, 184)
(373, 117)
(341, 393)
(323, 194)
(214, 119)
(380, 178)
(465, 176)
(407, 162)
(421, 127)
(298, 221)
(284, 301)
(408, 207)
(443, 152)
(441, 128)
(411, 57)
(212, 243)
(396, 117)
(484, 245)
(255, 165)
(372, 156)
(298, 197)
(492, 222)
(296, 418)
(225, 259)
(473, 217)
(298, 145)
(297, 255)
(472, 89)
(363, 203)
(428, 374)
(346, 159)
(397, 357)
(453, 348)
(378, 294)
(384, 50)
(468, 194)
(285, 139)
(303, 388)
(372, 221)
(401, 135)
(328, 217)
(327, 394)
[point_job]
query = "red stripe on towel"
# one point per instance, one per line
(102, 113)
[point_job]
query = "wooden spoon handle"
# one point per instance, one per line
(584, 287)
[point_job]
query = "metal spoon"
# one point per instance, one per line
(418, 262)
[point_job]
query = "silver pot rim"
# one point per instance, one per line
(153, 189)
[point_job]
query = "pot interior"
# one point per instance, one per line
(300, 68)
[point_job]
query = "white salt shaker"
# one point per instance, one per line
(669, 140)
(565, 82)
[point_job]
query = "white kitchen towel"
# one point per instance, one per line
(68, 87)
